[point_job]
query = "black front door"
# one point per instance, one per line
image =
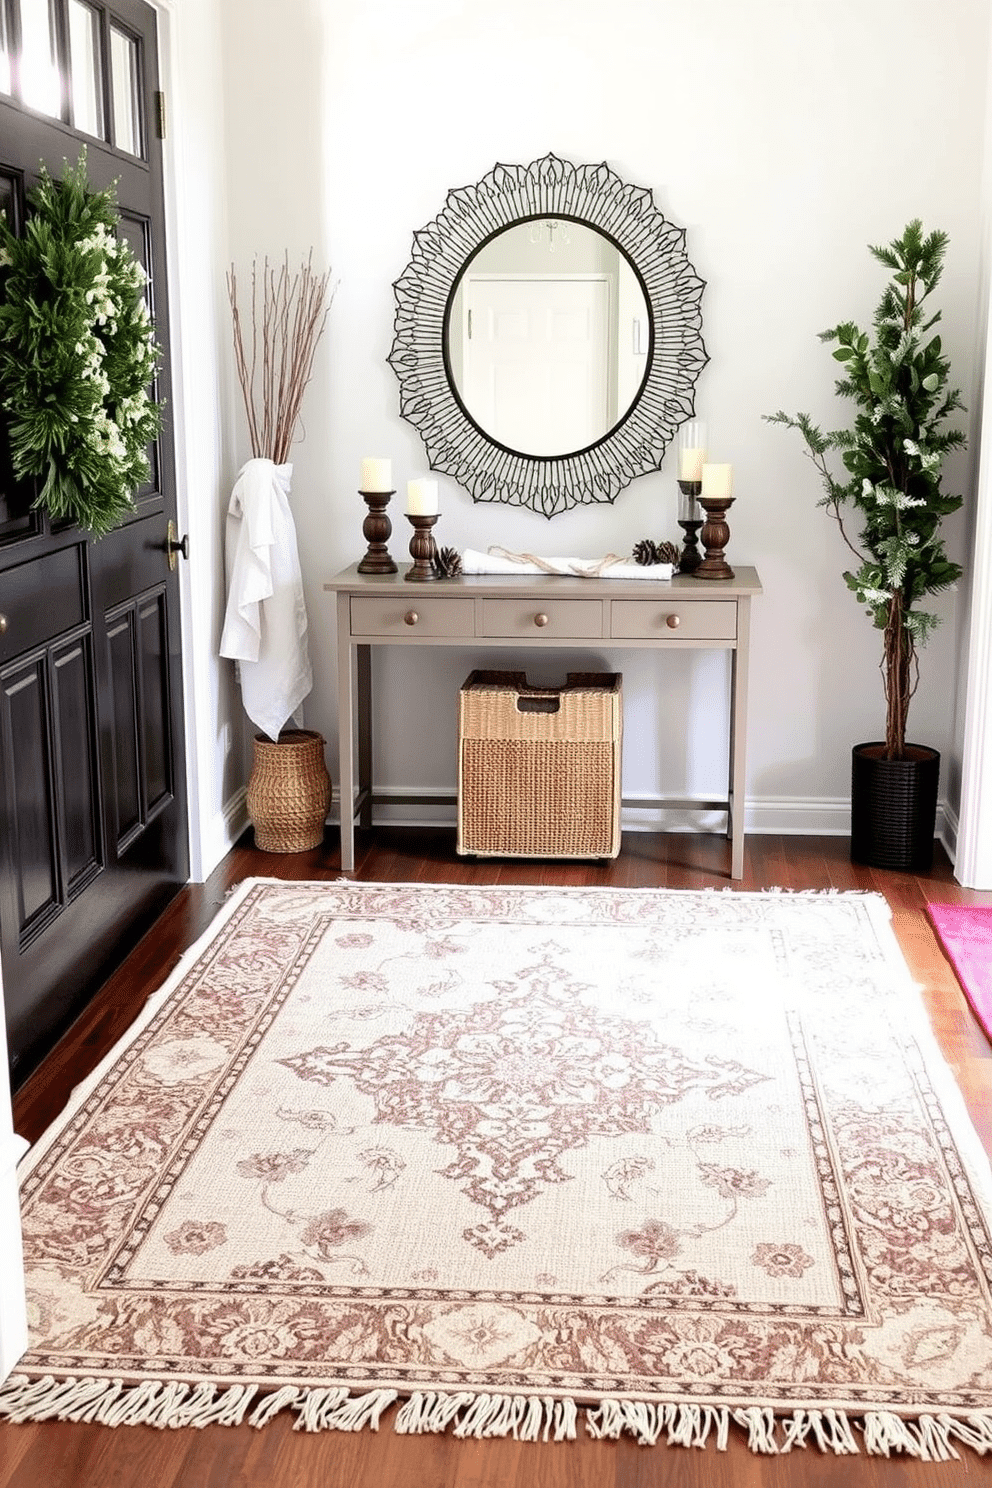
(93, 834)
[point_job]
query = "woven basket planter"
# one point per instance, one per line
(289, 791)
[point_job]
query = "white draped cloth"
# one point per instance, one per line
(265, 625)
(499, 561)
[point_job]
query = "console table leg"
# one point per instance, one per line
(364, 681)
(738, 736)
(346, 735)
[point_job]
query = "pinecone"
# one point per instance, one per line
(669, 553)
(646, 552)
(447, 563)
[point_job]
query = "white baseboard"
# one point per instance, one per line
(810, 816)
(947, 829)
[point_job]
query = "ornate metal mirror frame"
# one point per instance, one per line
(472, 215)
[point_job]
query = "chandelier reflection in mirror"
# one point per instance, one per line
(548, 335)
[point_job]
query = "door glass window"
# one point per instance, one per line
(8, 200)
(84, 54)
(135, 232)
(125, 77)
(40, 85)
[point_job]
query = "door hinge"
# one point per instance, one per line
(470, 324)
(160, 115)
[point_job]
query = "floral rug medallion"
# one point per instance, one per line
(684, 1159)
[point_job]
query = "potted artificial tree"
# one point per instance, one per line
(898, 380)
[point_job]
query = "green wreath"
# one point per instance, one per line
(77, 353)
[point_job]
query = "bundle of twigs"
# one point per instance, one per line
(288, 314)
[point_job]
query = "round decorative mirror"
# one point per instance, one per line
(547, 338)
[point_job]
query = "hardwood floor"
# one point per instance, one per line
(68, 1456)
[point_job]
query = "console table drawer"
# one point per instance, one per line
(580, 619)
(412, 615)
(675, 619)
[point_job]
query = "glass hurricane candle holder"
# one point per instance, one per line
(692, 451)
(690, 520)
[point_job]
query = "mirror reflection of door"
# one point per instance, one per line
(547, 337)
(536, 361)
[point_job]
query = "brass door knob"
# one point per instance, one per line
(174, 544)
(3, 624)
(411, 617)
(673, 622)
(540, 620)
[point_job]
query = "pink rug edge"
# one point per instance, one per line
(969, 951)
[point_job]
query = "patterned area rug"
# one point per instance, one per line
(965, 932)
(523, 1161)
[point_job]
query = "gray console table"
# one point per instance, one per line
(532, 612)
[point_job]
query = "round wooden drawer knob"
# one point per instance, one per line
(673, 622)
(411, 617)
(540, 620)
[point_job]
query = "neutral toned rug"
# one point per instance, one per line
(965, 932)
(528, 1161)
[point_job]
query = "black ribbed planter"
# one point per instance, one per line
(894, 807)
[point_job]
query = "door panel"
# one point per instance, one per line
(92, 771)
(125, 802)
(30, 813)
(139, 682)
(42, 598)
(153, 694)
(74, 730)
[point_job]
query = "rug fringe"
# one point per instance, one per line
(110, 1402)
(927, 1438)
(682, 1425)
(271, 1405)
(524, 1417)
(527, 1418)
(337, 1410)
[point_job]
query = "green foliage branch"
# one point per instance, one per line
(898, 379)
(77, 353)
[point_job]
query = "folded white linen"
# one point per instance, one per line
(499, 561)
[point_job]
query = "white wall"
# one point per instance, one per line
(785, 137)
(193, 49)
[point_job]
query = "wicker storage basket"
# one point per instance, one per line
(539, 767)
(289, 791)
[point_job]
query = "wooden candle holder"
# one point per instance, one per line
(715, 536)
(422, 548)
(376, 530)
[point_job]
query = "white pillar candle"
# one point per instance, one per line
(718, 481)
(691, 463)
(377, 475)
(421, 498)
